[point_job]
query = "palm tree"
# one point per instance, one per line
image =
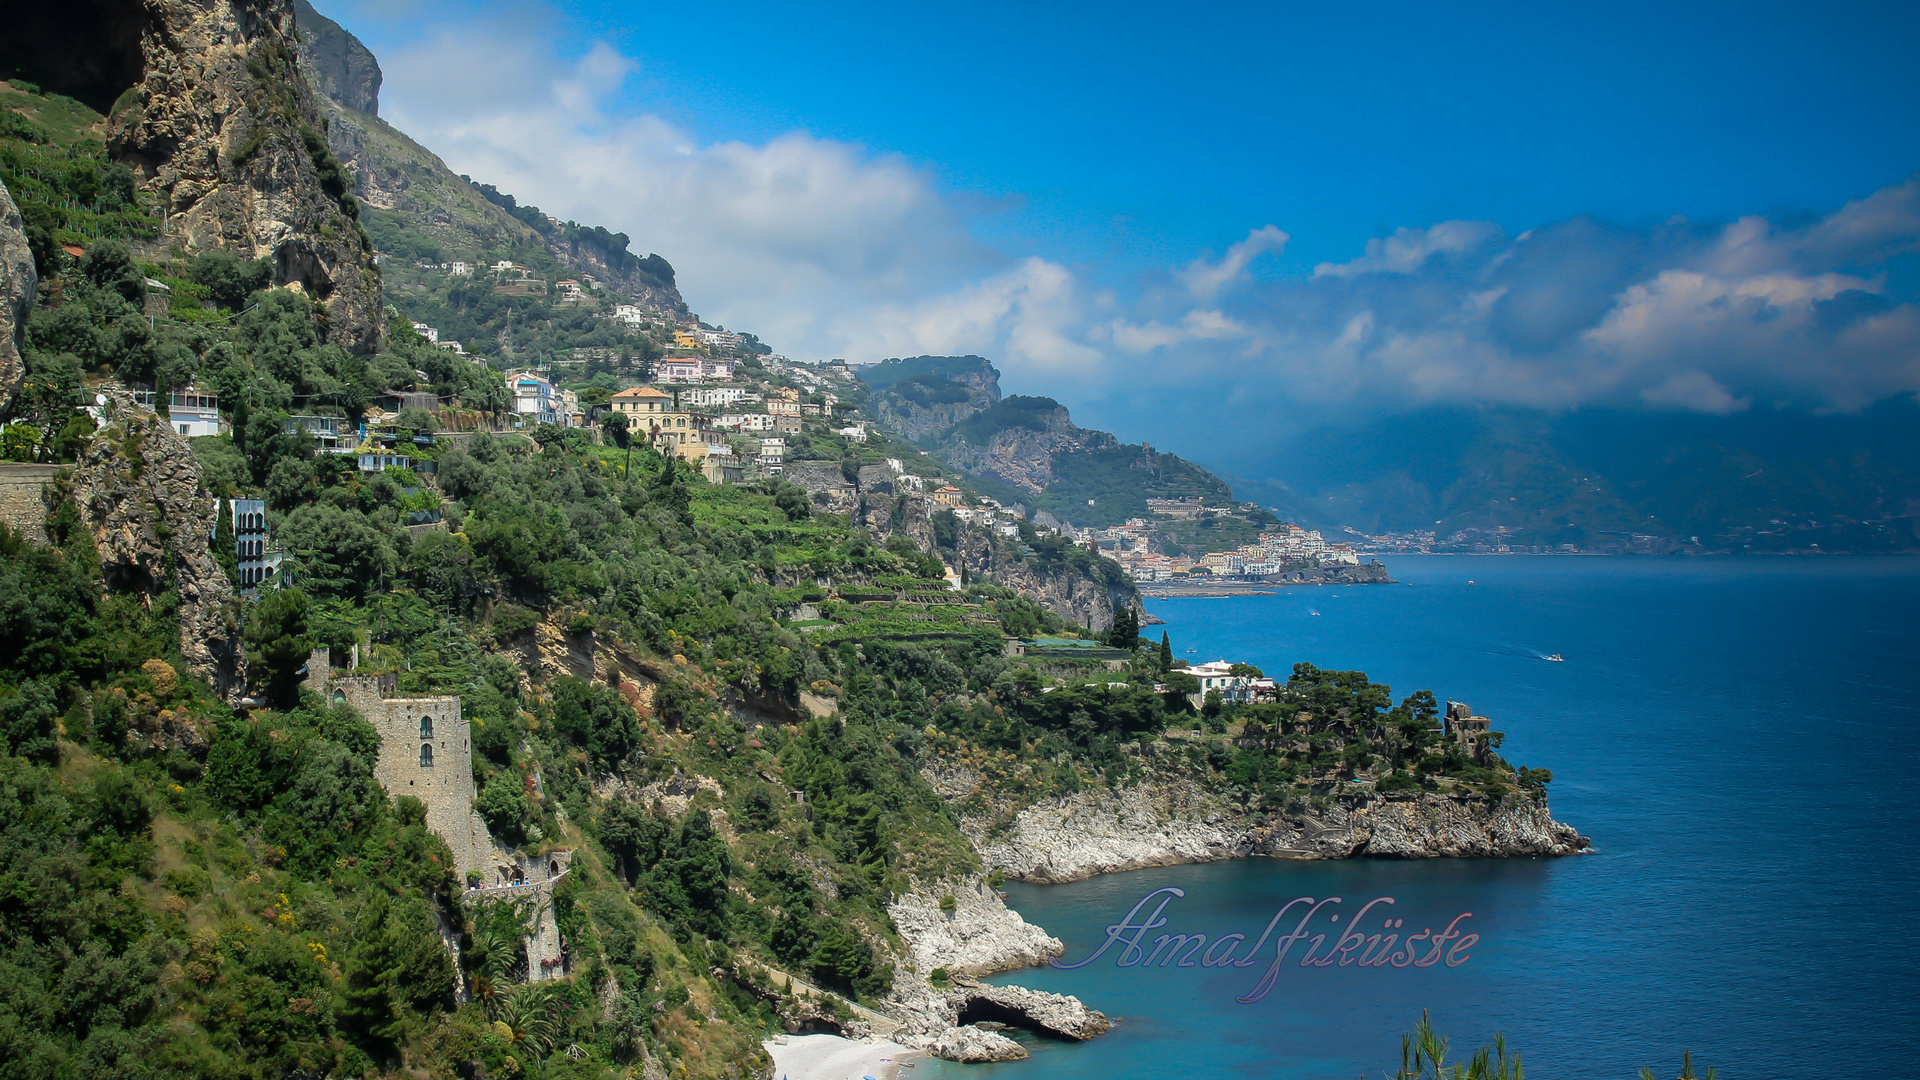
(1423, 1056)
(529, 1016)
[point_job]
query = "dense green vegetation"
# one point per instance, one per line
(206, 886)
(519, 326)
(261, 352)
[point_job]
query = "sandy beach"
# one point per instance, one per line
(830, 1057)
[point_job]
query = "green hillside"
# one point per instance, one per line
(1027, 450)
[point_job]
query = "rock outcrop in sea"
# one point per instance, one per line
(1172, 819)
(979, 936)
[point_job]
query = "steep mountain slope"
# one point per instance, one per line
(1763, 480)
(337, 64)
(1028, 450)
(417, 208)
(209, 109)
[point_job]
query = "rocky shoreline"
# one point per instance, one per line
(1164, 821)
(1169, 821)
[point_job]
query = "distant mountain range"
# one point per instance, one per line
(1760, 481)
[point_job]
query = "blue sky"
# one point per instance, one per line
(1062, 188)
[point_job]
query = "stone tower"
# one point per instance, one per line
(1468, 730)
(424, 752)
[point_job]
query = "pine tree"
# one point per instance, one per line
(1166, 652)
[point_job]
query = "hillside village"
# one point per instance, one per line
(432, 650)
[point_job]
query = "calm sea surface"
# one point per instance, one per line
(1740, 738)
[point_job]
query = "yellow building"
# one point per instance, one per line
(948, 496)
(640, 405)
(655, 417)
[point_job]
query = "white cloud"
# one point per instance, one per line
(1408, 251)
(1694, 391)
(1205, 279)
(793, 238)
(826, 249)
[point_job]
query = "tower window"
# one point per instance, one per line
(426, 755)
(426, 727)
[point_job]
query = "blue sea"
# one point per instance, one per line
(1740, 738)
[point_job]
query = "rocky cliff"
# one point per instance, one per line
(980, 935)
(140, 493)
(409, 192)
(412, 196)
(337, 64)
(1171, 819)
(931, 394)
(1027, 450)
(1024, 456)
(223, 131)
(17, 285)
(1085, 599)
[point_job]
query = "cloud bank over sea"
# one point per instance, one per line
(826, 249)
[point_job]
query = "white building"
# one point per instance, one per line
(629, 314)
(773, 455)
(744, 422)
(460, 269)
(1215, 675)
(193, 411)
(252, 546)
(427, 332)
(693, 369)
(716, 397)
(533, 398)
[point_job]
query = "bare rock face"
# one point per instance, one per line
(224, 129)
(335, 61)
(1080, 599)
(972, 1044)
(1024, 456)
(1060, 1015)
(17, 285)
(140, 494)
(979, 936)
(1171, 820)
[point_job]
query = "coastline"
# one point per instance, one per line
(1168, 821)
(834, 1057)
(1371, 573)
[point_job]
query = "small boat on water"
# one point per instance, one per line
(1557, 659)
(1313, 613)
